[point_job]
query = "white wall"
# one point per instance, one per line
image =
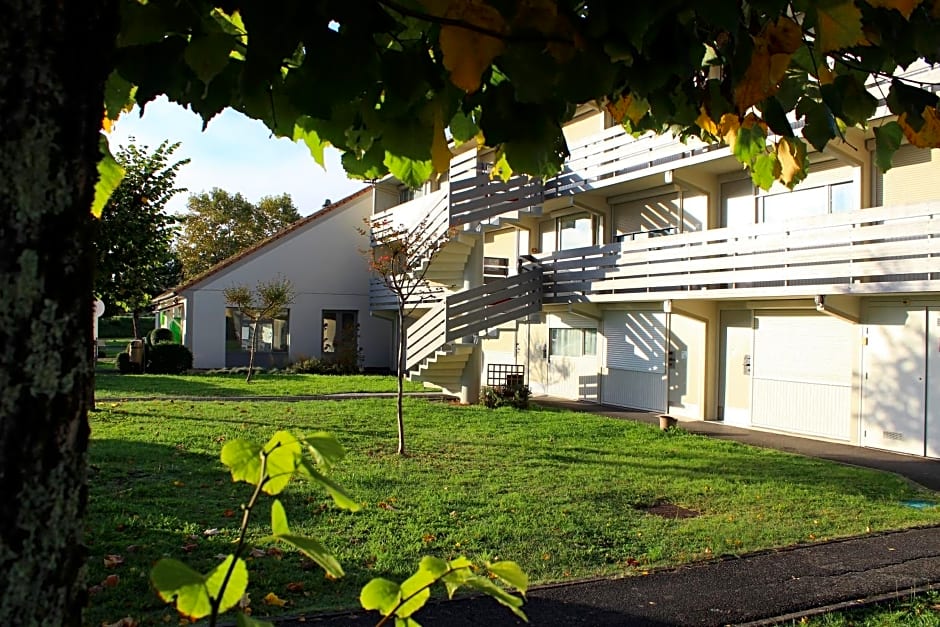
(322, 259)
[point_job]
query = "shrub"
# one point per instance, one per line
(125, 365)
(169, 358)
(161, 335)
(515, 395)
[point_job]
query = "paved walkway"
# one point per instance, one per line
(758, 589)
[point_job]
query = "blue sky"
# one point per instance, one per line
(236, 154)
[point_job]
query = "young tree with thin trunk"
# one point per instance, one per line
(400, 257)
(267, 299)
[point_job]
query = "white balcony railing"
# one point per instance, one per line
(895, 249)
(614, 155)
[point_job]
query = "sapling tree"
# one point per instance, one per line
(400, 257)
(267, 299)
(270, 469)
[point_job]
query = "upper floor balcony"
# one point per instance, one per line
(868, 251)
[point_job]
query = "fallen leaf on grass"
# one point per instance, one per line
(111, 581)
(178, 484)
(256, 552)
(211, 532)
(113, 561)
(228, 513)
(275, 552)
(189, 548)
(93, 590)
(273, 599)
(295, 586)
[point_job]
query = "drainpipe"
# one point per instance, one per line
(667, 309)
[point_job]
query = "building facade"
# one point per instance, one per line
(652, 274)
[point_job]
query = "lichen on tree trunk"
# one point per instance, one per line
(56, 57)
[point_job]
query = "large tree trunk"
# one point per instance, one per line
(56, 56)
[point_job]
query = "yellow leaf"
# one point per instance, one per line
(706, 123)
(791, 154)
(628, 107)
(440, 151)
(728, 128)
(838, 26)
(467, 53)
(904, 7)
(929, 134)
(825, 75)
(106, 124)
(501, 169)
(773, 48)
(273, 599)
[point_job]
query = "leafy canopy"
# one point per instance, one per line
(219, 225)
(134, 237)
(382, 80)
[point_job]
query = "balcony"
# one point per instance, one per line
(870, 251)
(613, 156)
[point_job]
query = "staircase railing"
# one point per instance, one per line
(480, 198)
(493, 304)
(426, 335)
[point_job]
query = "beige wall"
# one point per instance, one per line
(914, 177)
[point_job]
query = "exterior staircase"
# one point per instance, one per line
(448, 320)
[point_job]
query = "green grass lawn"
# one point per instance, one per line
(561, 493)
(110, 384)
(922, 610)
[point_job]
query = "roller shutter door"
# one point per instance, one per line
(802, 374)
(634, 360)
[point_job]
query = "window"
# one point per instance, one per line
(273, 333)
(807, 202)
(340, 334)
(572, 342)
(572, 231)
(576, 231)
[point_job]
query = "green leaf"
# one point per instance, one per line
(504, 598)
(340, 497)
(244, 620)
(463, 128)
(887, 141)
(417, 590)
(207, 55)
(325, 448)
(308, 546)
(764, 170)
(110, 175)
(434, 565)
(284, 455)
(775, 117)
(848, 99)
(174, 580)
(304, 131)
(234, 588)
(279, 524)
(460, 572)
(369, 166)
(910, 100)
(511, 574)
(409, 171)
(820, 125)
(243, 459)
(118, 95)
(380, 594)
(751, 142)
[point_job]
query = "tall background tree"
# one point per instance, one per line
(220, 225)
(381, 81)
(134, 237)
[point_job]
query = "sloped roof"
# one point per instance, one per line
(268, 241)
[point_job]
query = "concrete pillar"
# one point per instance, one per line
(473, 371)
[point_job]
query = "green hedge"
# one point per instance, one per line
(123, 326)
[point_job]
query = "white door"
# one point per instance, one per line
(802, 370)
(734, 374)
(571, 361)
(894, 379)
(933, 382)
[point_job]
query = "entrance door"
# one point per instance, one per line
(894, 386)
(734, 373)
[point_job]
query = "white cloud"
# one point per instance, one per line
(236, 154)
